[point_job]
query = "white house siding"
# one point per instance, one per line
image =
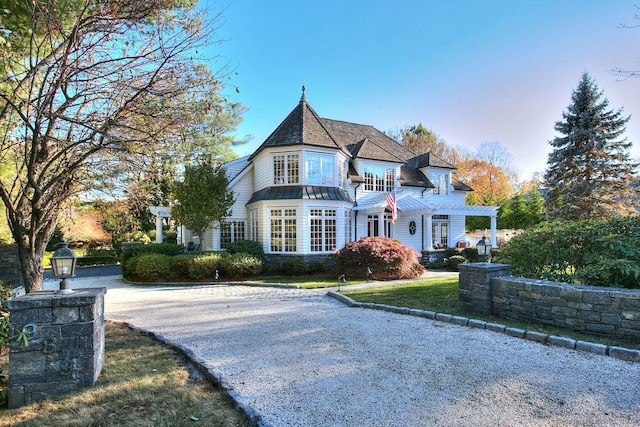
(262, 170)
(400, 230)
(456, 229)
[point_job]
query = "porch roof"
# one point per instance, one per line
(467, 210)
(300, 192)
(377, 202)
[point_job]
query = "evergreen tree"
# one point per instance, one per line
(589, 171)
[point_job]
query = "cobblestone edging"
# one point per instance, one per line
(540, 337)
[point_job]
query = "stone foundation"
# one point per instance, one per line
(65, 353)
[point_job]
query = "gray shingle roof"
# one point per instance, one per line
(367, 142)
(304, 127)
(301, 127)
(429, 159)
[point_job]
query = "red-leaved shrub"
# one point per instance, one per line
(386, 258)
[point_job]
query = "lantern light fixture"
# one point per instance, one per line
(63, 266)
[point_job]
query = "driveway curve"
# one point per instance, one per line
(300, 358)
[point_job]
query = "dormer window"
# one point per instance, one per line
(378, 178)
(441, 182)
(286, 169)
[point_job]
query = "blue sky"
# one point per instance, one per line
(471, 71)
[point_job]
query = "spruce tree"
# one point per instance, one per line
(589, 171)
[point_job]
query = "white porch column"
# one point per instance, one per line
(158, 229)
(429, 230)
(381, 230)
(494, 240)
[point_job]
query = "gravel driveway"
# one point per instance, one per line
(300, 358)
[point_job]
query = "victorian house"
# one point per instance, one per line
(315, 184)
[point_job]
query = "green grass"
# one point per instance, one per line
(143, 383)
(441, 296)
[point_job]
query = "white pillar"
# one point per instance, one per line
(381, 230)
(429, 230)
(158, 228)
(494, 239)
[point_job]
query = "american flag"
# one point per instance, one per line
(391, 202)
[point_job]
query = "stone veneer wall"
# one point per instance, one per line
(10, 265)
(489, 288)
(606, 311)
(66, 352)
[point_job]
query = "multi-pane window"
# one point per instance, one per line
(320, 169)
(347, 225)
(441, 181)
(378, 178)
(231, 232)
(283, 230)
(286, 169)
(373, 225)
(322, 225)
(440, 230)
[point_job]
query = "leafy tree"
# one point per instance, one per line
(421, 140)
(522, 211)
(589, 171)
(202, 199)
(200, 126)
(79, 82)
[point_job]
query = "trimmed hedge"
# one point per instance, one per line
(170, 249)
(154, 266)
(250, 247)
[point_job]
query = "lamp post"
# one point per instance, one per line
(484, 248)
(63, 264)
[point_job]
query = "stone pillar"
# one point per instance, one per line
(66, 352)
(474, 291)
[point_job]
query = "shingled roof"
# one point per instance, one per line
(304, 127)
(301, 127)
(367, 142)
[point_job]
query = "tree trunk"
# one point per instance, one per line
(32, 268)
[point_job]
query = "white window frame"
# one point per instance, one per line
(323, 230)
(286, 168)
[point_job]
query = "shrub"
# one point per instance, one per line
(603, 253)
(205, 266)
(387, 259)
(240, 265)
(271, 268)
(317, 267)
(181, 264)
(470, 254)
(454, 261)
(449, 252)
(152, 266)
(246, 247)
(294, 266)
(170, 249)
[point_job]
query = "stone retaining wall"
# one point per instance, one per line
(489, 288)
(10, 265)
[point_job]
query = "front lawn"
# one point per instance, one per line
(143, 383)
(441, 296)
